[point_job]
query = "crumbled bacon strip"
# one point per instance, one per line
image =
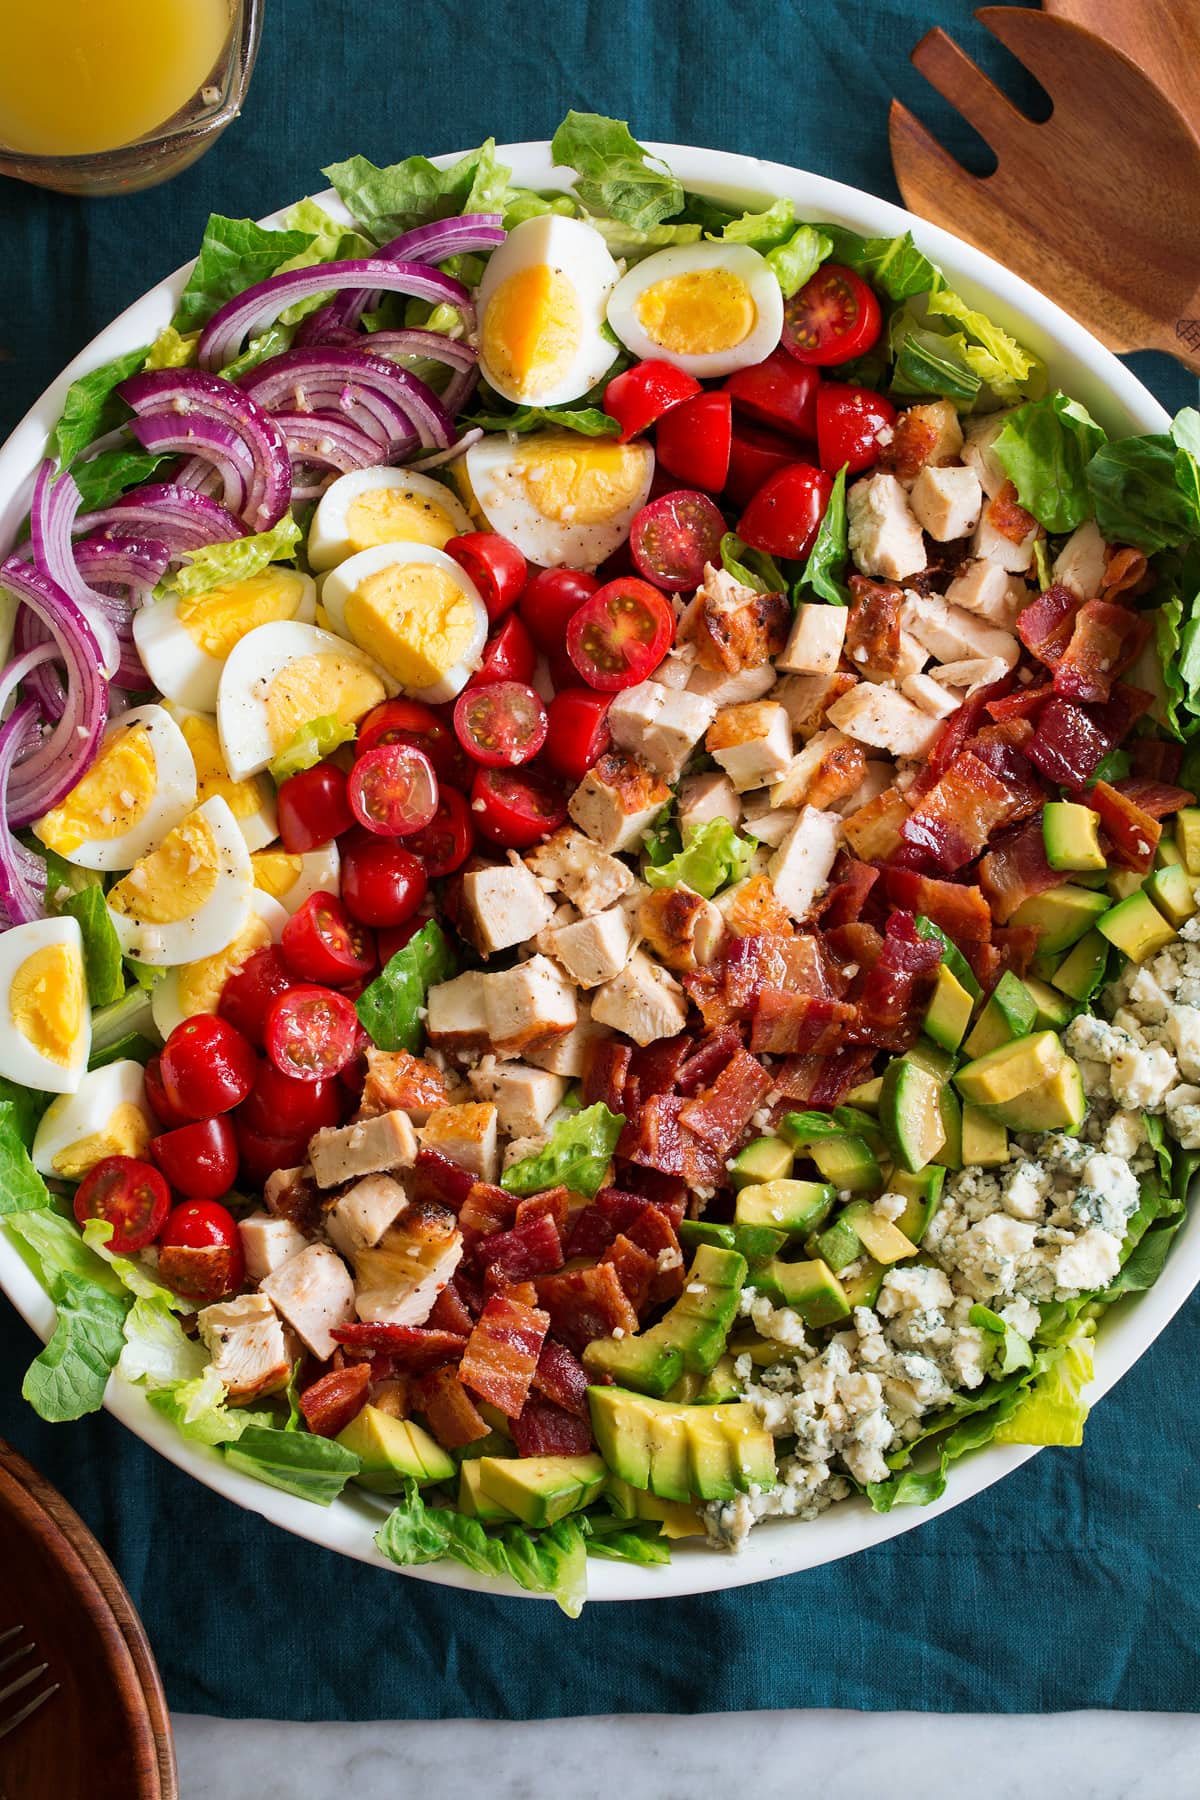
(586, 1303)
(635, 1270)
(335, 1399)
(562, 1378)
(531, 1248)
(502, 1353)
(1133, 833)
(544, 1429)
(408, 1346)
(448, 1409)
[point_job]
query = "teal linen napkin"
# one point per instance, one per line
(1075, 1583)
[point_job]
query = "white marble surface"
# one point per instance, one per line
(774, 1756)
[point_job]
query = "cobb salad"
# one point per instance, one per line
(601, 867)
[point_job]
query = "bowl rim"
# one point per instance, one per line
(779, 1547)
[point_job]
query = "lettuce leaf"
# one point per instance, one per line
(894, 265)
(1136, 496)
(929, 362)
(390, 1007)
(200, 1412)
(217, 564)
(330, 239)
(172, 349)
(93, 407)
(588, 421)
(797, 259)
(388, 201)
(1044, 448)
(522, 203)
(626, 1540)
(52, 1245)
(712, 858)
(975, 1419)
(311, 744)
(70, 1375)
(1009, 1349)
(156, 1350)
(1008, 369)
(614, 175)
(130, 1016)
(825, 569)
(1053, 1411)
(103, 478)
(753, 568)
(21, 1187)
(576, 1157)
(312, 1468)
(553, 1561)
(103, 968)
(134, 1277)
(624, 241)
(234, 255)
(764, 230)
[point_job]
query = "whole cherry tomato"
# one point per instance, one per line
(130, 1195)
(834, 318)
(577, 731)
(280, 1106)
(198, 1160)
(382, 883)
(313, 808)
(497, 568)
(694, 440)
(641, 395)
(260, 1154)
(164, 1112)
(785, 515)
(206, 1066)
(321, 942)
(849, 420)
(551, 601)
(755, 455)
(508, 655)
(246, 998)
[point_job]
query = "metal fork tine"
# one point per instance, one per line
(15, 1656)
(957, 79)
(29, 1708)
(23, 1681)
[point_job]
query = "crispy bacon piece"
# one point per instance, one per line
(635, 1270)
(1046, 624)
(1016, 870)
(408, 1346)
(753, 909)
(707, 1060)
(749, 964)
(334, 1399)
(532, 1248)
(1071, 740)
(914, 439)
(960, 910)
(787, 1024)
(555, 1202)
(873, 628)
(856, 946)
(654, 1069)
(448, 1409)
(654, 1232)
(1158, 797)
(1022, 703)
(487, 1208)
(873, 832)
(954, 736)
(954, 820)
(561, 1377)
(1126, 571)
(586, 1303)
(667, 1192)
(396, 1079)
(705, 988)
(1133, 832)
(292, 1194)
(720, 1113)
(436, 1177)
(612, 1211)
(544, 1429)
(497, 1285)
(986, 963)
(847, 894)
(1104, 641)
(450, 1311)
(502, 1353)
(1156, 759)
(890, 1006)
(1005, 515)
(733, 627)
(821, 1081)
(1016, 946)
(659, 1141)
(604, 1076)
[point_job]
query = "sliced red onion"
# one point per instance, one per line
(52, 513)
(375, 393)
(178, 516)
(134, 563)
(432, 344)
(43, 681)
(54, 765)
(22, 874)
(329, 441)
(325, 327)
(459, 389)
(196, 397)
(464, 236)
(441, 457)
(222, 338)
(206, 441)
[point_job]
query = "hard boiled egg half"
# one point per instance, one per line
(558, 496)
(280, 678)
(183, 643)
(541, 311)
(382, 506)
(418, 613)
(190, 897)
(196, 987)
(290, 878)
(141, 784)
(252, 801)
(47, 1027)
(707, 308)
(108, 1115)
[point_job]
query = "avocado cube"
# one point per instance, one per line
(1167, 854)
(1007, 1071)
(784, 1205)
(1081, 970)
(910, 1113)
(950, 1154)
(1187, 836)
(766, 1159)
(932, 1058)
(392, 1451)
(1072, 836)
(922, 1195)
(700, 1319)
(848, 1162)
(720, 1384)
(838, 1245)
(621, 1426)
(764, 1353)
(862, 1288)
(984, 1139)
(753, 1448)
(953, 958)
(473, 1501)
(1043, 967)
(809, 1288)
(1171, 891)
(757, 1243)
(1121, 883)
(879, 1237)
(1053, 1009)
(949, 1011)
(866, 1095)
(713, 1470)
(649, 1361)
(676, 1520)
(1061, 916)
(670, 1464)
(1009, 1013)
(1137, 927)
(1055, 1104)
(857, 1123)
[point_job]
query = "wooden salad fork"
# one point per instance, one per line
(1098, 206)
(1161, 36)
(17, 1676)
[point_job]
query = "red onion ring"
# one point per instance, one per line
(22, 874)
(203, 400)
(177, 516)
(52, 766)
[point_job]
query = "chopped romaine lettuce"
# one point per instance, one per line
(312, 1468)
(234, 255)
(522, 203)
(824, 572)
(589, 421)
(1044, 448)
(614, 175)
(551, 1561)
(103, 968)
(1008, 369)
(894, 265)
(218, 564)
(1009, 1349)
(172, 349)
(102, 479)
(70, 1375)
(157, 1351)
(390, 1009)
(21, 1187)
(797, 260)
(625, 1540)
(312, 743)
(713, 857)
(134, 1277)
(633, 245)
(199, 1410)
(1137, 496)
(388, 201)
(1052, 1410)
(764, 230)
(92, 406)
(577, 1155)
(753, 568)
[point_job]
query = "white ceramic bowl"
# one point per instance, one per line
(1079, 365)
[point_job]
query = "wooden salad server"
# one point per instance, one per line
(1098, 206)
(1161, 36)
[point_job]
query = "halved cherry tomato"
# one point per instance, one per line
(551, 601)
(672, 539)
(516, 808)
(755, 455)
(620, 635)
(206, 1066)
(164, 1112)
(198, 1160)
(442, 847)
(313, 808)
(393, 790)
(426, 728)
(693, 441)
(780, 392)
(508, 655)
(578, 731)
(641, 395)
(279, 1105)
(246, 999)
(312, 1032)
(321, 942)
(200, 1252)
(849, 420)
(496, 567)
(785, 514)
(834, 318)
(382, 883)
(500, 725)
(131, 1195)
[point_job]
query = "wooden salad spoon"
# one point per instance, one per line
(1098, 206)
(1161, 36)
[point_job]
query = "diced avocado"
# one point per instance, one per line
(1167, 854)
(1171, 891)
(862, 1289)
(1005, 1072)
(984, 1139)
(720, 1384)
(949, 1011)
(1053, 1009)
(684, 1391)
(712, 1467)
(1081, 970)
(1055, 1104)
(838, 1245)
(785, 1205)
(677, 1521)
(393, 1451)
(670, 1456)
(1187, 836)
(1137, 927)
(763, 1352)
(1043, 967)
(1091, 878)
(1121, 883)
(848, 1162)
(757, 1243)
(690, 1337)
(766, 1159)
(866, 1095)
(858, 1123)
(621, 1424)
(473, 1501)
(1072, 836)
(753, 1448)
(950, 1154)
(879, 1237)
(494, 1444)
(647, 1360)
(953, 958)
(929, 1056)
(727, 1449)
(1009, 1013)
(1060, 916)
(498, 1421)
(922, 1196)
(910, 1114)
(809, 1288)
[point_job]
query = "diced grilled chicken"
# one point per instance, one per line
(358, 1218)
(800, 868)
(752, 743)
(399, 1278)
(313, 1291)
(873, 831)
(952, 635)
(590, 878)
(703, 798)
(768, 824)
(503, 905)
(594, 949)
(979, 454)
(567, 1055)
(682, 928)
(970, 673)
(467, 1135)
(883, 719)
(946, 502)
(725, 689)
(731, 625)
(830, 766)
(658, 725)
(930, 696)
(815, 644)
(292, 1194)
(524, 1097)
(752, 906)
(643, 1001)
(528, 1007)
(618, 800)
(884, 537)
(267, 1242)
(922, 435)
(876, 781)
(1080, 564)
(456, 1018)
(989, 591)
(369, 1146)
(397, 1080)
(246, 1345)
(807, 698)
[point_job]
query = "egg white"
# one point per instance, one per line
(21, 1060)
(573, 259)
(173, 796)
(180, 667)
(246, 681)
(94, 1111)
(252, 801)
(750, 269)
(505, 474)
(318, 871)
(433, 514)
(342, 582)
(218, 917)
(167, 1000)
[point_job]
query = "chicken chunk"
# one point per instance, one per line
(815, 644)
(946, 502)
(731, 625)
(360, 1216)
(467, 1134)
(989, 591)
(643, 1001)
(400, 1277)
(884, 537)
(725, 689)
(588, 876)
(455, 1015)
(658, 725)
(873, 830)
(806, 698)
(593, 949)
(396, 1079)
(800, 868)
(882, 718)
(524, 1097)
(768, 824)
(291, 1194)
(922, 435)
(1080, 563)
(951, 635)
(267, 1242)
(503, 905)
(752, 743)
(528, 1007)
(567, 1055)
(703, 798)
(677, 666)
(683, 929)
(979, 454)
(313, 1291)
(618, 800)
(344, 1152)
(246, 1346)
(1006, 534)
(830, 766)
(971, 672)
(930, 696)
(876, 781)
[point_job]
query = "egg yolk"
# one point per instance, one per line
(126, 1132)
(698, 313)
(275, 872)
(578, 481)
(111, 798)
(200, 983)
(46, 1001)
(531, 330)
(416, 621)
(325, 685)
(244, 798)
(218, 620)
(390, 515)
(174, 881)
